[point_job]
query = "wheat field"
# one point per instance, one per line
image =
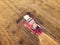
(46, 12)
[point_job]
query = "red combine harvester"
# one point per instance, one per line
(31, 24)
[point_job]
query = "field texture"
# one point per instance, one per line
(46, 12)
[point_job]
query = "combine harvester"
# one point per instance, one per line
(31, 24)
